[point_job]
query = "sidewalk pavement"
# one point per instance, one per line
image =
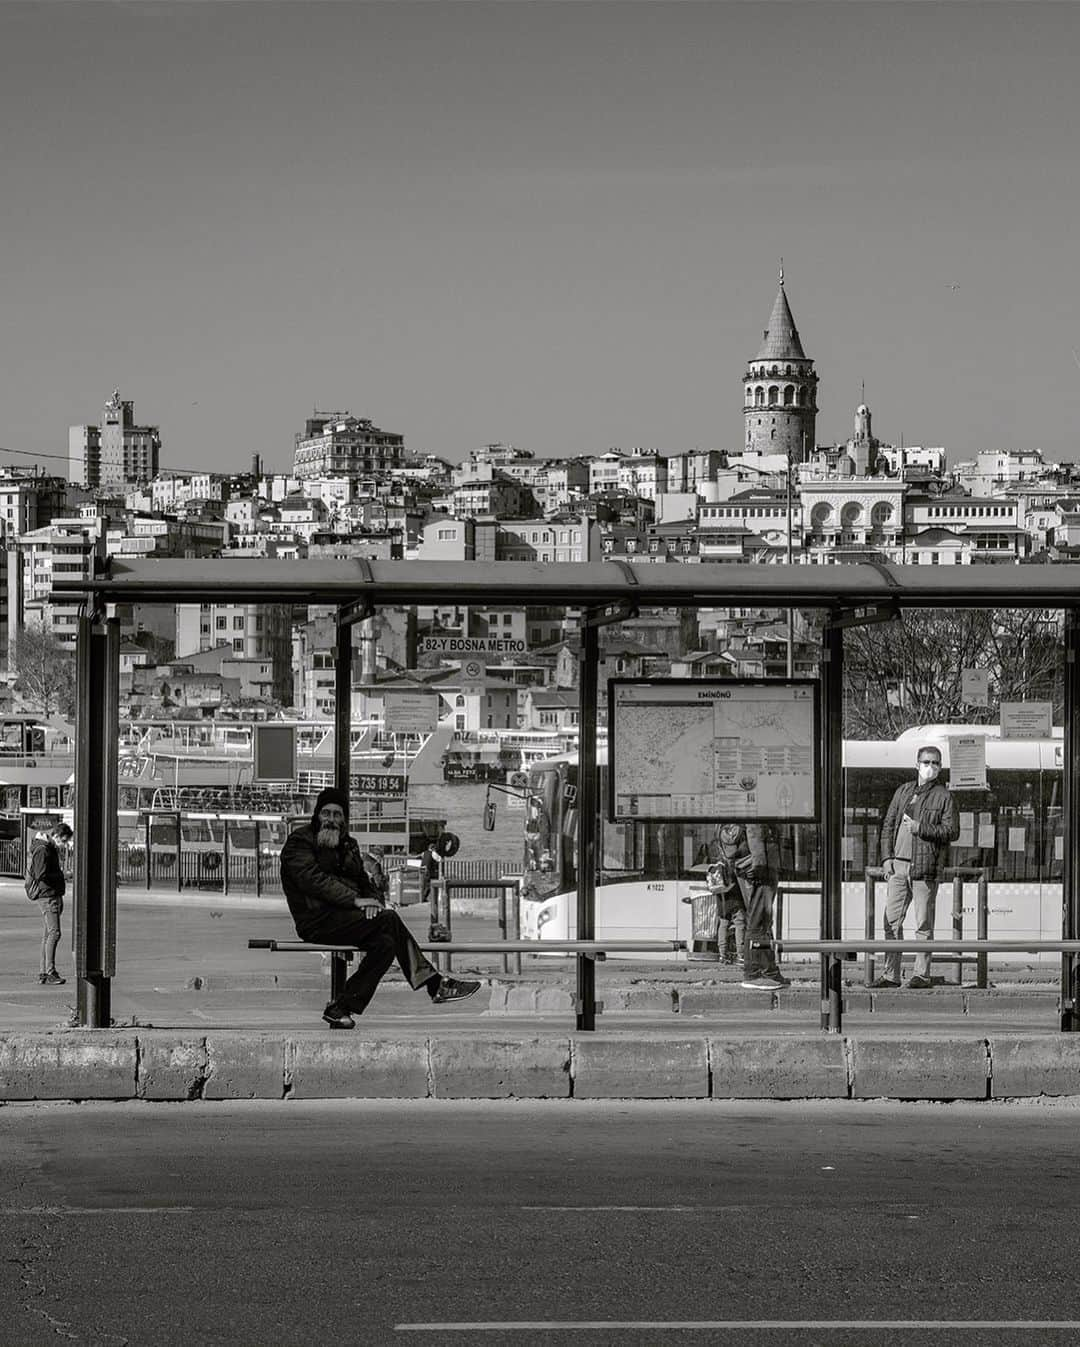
(199, 1016)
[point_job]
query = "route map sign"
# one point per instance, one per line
(722, 748)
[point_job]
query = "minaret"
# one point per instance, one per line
(780, 389)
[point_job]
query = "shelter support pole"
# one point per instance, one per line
(1070, 880)
(588, 800)
(832, 824)
(343, 707)
(97, 657)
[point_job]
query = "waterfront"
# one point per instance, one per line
(463, 805)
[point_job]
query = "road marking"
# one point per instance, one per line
(749, 1325)
(93, 1211)
(669, 1207)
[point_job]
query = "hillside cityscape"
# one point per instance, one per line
(356, 490)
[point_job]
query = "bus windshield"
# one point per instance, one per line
(544, 850)
(625, 850)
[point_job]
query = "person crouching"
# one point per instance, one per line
(334, 902)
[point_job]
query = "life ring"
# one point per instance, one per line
(211, 860)
(448, 845)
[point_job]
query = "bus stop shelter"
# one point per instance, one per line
(602, 593)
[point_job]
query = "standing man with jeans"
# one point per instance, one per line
(920, 822)
(45, 886)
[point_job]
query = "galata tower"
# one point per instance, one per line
(780, 390)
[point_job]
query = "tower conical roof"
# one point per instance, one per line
(781, 340)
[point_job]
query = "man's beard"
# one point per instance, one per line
(328, 836)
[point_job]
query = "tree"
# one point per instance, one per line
(909, 672)
(44, 672)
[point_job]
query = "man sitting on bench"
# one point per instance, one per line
(333, 902)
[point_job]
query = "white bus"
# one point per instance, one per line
(1013, 832)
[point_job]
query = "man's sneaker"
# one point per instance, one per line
(768, 982)
(919, 983)
(879, 983)
(52, 979)
(337, 1017)
(453, 989)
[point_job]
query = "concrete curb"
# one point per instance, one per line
(548, 996)
(79, 1064)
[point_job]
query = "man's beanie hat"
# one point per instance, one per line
(331, 795)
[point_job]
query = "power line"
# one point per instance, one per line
(65, 458)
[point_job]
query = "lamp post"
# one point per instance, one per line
(790, 560)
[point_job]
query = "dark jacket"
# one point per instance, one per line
(934, 810)
(44, 874)
(745, 855)
(318, 883)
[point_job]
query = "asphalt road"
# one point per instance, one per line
(350, 1222)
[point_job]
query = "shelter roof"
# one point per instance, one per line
(573, 584)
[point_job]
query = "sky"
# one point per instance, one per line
(551, 223)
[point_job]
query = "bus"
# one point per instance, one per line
(648, 872)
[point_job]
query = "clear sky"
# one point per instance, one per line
(550, 224)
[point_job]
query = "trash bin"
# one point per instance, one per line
(705, 918)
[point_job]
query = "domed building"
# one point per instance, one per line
(851, 508)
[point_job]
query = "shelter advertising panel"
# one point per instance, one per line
(722, 748)
(275, 753)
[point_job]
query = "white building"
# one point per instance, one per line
(335, 444)
(253, 631)
(65, 550)
(993, 470)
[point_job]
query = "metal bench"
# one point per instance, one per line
(342, 955)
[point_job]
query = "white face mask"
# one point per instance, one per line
(928, 771)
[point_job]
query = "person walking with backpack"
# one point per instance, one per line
(45, 885)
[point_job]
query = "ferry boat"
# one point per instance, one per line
(207, 767)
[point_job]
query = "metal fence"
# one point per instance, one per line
(214, 871)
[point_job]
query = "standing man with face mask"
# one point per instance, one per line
(920, 822)
(333, 901)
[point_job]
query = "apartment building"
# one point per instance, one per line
(260, 632)
(570, 537)
(644, 475)
(64, 550)
(29, 501)
(484, 490)
(336, 444)
(173, 489)
(993, 470)
(961, 530)
(115, 452)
